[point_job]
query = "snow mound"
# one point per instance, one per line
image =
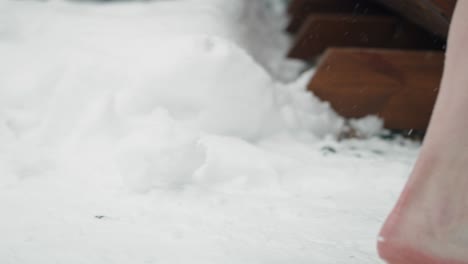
(133, 90)
(177, 132)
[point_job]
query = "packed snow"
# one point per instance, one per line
(178, 132)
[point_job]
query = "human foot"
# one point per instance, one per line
(429, 224)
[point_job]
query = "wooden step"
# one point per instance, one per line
(433, 15)
(299, 10)
(398, 86)
(321, 31)
(341, 30)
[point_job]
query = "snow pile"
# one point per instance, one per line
(140, 86)
(175, 132)
(366, 127)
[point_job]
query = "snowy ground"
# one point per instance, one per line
(176, 132)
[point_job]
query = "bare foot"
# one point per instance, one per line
(429, 224)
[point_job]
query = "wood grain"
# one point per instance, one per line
(340, 30)
(433, 15)
(321, 31)
(399, 86)
(299, 10)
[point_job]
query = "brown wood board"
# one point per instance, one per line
(321, 31)
(399, 86)
(298, 10)
(433, 15)
(341, 30)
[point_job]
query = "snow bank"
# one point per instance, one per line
(175, 132)
(124, 80)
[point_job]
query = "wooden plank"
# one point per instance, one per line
(399, 86)
(340, 30)
(300, 9)
(411, 36)
(322, 31)
(445, 7)
(295, 6)
(433, 15)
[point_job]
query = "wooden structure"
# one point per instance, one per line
(398, 86)
(320, 31)
(433, 15)
(380, 57)
(300, 9)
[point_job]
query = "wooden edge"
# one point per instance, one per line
(433, 15)
(321, 31)
(399, 86)
(298, 10)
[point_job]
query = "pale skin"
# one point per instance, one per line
(429, 224)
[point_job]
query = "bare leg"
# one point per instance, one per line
(429, 224)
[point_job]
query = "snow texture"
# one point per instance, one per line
(177, 132)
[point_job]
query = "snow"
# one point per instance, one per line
(177, 132)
